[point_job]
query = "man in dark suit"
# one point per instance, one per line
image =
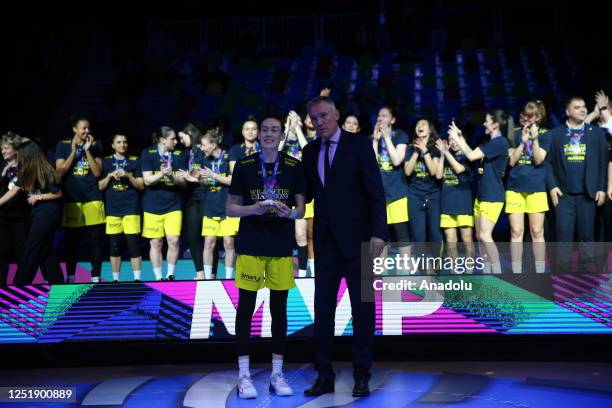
(577, 182)
(577, 174)
(343, 178)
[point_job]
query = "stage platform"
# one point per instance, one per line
(405, 384)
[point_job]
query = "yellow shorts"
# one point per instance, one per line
(489, 210)
(160, 225)
(256, 272)
(456, 221)
(217, 227)
(397, 211)
(309, 210)
(521, 203)
(128, 224)
(77, 215)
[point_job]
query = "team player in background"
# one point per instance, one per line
(526, 184)
(311, 134)
(292, 144)
(194, 195)
(603, 106)
(602, 113)
(15, 213)
(603, 109)
(78, 162)
(493, 156)
(422, 159)
(38, 179)
(456, 198)
(389, 146)
(351, 124)
(217, 177)
(164, 173)
(267, 191)
(250, 144)
(122, 184)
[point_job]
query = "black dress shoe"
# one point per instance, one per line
(320, 387)
(361, 388)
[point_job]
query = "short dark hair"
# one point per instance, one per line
(250, 118)
(75, 119)
(272, 116)
(117, 134)
(572, 99)
(348, 115)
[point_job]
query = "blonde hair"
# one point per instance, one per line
(534, 109)
(12, 139)
(213, 135)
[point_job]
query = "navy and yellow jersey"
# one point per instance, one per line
(393, 177)
(80, 185)
(240, 151)
(456, 196)
(17, 207)
(293, 149)
(164, 196)
(120, 197)
(268, 234)
(421, 184)
(216, 193)
(574, 155)
(492, 169)
(44, 208)
(193, 161)
(526, 177)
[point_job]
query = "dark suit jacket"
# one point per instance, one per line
(351, 206)
(596, 160)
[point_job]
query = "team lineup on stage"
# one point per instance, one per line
(307, 184)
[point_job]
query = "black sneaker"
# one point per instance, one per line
(171, 277)
(136, 280)
(115, 281)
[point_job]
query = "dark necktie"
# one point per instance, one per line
(326, 164)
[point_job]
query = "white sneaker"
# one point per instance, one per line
(279, 386)
(245, 388)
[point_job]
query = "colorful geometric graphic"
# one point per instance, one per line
(534, 304)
